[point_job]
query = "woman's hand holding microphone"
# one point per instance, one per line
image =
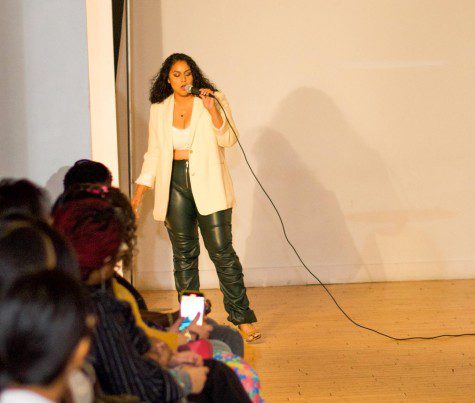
(210, 104)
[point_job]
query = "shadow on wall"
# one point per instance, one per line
(291, 151)
(317, 169)
(154, 262)
(311, 213)
(54, 185)
(406, 251)
(14, 139)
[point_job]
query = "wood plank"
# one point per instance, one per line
(311, 352)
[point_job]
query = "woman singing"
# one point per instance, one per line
(186, 165)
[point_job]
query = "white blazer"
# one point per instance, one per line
(209, 176)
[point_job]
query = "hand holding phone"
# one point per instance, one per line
(192, 304)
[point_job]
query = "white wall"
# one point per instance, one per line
(44, 110)
(103, 115)
(357, 116)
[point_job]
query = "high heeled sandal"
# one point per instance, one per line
(251, 336)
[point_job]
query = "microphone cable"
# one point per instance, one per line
(354, 322)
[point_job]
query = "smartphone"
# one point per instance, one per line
(192, 303)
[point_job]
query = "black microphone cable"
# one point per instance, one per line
(312, 274)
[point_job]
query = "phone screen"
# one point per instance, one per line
(191, 305)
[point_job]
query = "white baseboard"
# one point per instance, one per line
(330, 274)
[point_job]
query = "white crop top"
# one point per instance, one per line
(181, 138)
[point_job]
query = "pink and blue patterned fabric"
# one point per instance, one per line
(246, 374)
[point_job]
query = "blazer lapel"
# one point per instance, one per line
(198, 110)
(168, 116)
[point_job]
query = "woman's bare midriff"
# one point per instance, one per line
(181, 154)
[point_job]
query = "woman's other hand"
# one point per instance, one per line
(137, 199)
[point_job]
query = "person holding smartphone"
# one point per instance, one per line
(125, 360)
(185, 163)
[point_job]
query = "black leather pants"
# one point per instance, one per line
(182, 224)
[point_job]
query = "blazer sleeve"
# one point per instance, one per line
(225, 135)
(150, 163)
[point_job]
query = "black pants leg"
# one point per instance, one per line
(182, 224)
(217, 236)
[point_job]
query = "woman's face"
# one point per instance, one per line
(179, 77)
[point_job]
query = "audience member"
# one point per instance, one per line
(124, 359)
(85, 172)
(45, 329)
(16, 259)
(221, 351)
(24, 197)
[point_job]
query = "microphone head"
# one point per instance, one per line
(191, 90)
(195, 91)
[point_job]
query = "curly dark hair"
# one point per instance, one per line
(120, 203)
(161, 88)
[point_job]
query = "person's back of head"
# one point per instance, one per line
(118, 200)
(23, 197)
(87, 171)
(66, 259)
(93, 229)
(28, 246)
(45, 328)
(24, 249)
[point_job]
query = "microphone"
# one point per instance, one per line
(195, 91)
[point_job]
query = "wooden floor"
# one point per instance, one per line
(311, 352)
